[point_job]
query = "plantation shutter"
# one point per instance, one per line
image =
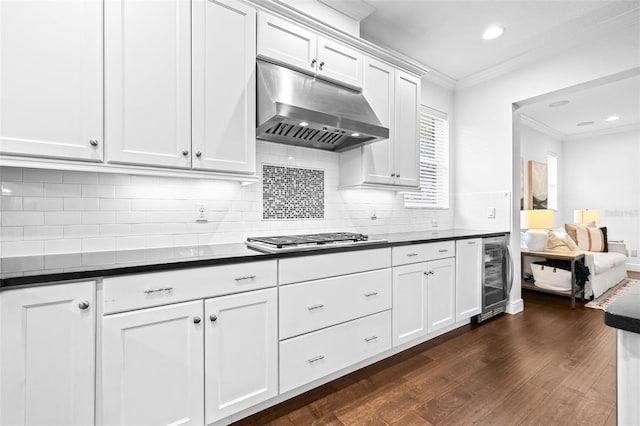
(434, 162)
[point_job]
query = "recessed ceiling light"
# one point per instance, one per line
(303, 124)
(355, 134)
(612, 118)
(558, 103)
(585, 123)
(493, 32)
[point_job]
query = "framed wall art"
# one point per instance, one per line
(538, 190)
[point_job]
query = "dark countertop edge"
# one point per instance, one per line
(112, 270)
(624, 312)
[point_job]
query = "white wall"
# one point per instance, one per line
(485, 155)
(601, 172)
(536, 145)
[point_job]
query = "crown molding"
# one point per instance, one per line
(602, 132)
(355, 9)
(534, 124)
(575, 36)
(440, 78)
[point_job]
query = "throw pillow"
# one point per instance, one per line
(570, 229)
(570, 243)
(606, 242)
(589, 238)
(555, 243)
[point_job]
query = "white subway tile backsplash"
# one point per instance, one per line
(106, 204)
(62, 190)
(21, 218)
(23, 189)
(42, 175)
(130, 217)
(22, 248)
(62, 246)
(11, 233)
(114, 230)
(81, 204)
(98, 244)
(62, 218)
(81, 231)
(13, 174)
(42, 204)
(98, 217)
(10, 203)
(43, 232)
(71, 176)
(127, 243)
(98, 191)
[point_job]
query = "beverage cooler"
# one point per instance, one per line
(497, 277)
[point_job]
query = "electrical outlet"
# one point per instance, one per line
(201, 212)
(434, 223)
(491, 213)
(373, 213)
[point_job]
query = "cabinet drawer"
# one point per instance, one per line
(403, 255)
(314, 355)
(297, 269)
(161, 288)
(313, 305)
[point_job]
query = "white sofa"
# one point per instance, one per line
(607, 269)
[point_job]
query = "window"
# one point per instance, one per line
(552, 181)
(434, 162)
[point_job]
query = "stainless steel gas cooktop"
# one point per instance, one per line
(286, 243)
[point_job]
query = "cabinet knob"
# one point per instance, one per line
(196, 320)
(93, 142)
(393, 175)
(313, 63)
(84, 305)
(198, 154)
(213, 318)
(398, 175)
(185, 152)
(321, 65)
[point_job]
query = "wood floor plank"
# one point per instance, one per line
(547, 365)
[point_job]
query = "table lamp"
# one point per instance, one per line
(536, 222)
(586, 216)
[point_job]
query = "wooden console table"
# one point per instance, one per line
(572, 257)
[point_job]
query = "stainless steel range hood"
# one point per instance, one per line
(298, 109)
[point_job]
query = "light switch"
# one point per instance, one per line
(491, 213)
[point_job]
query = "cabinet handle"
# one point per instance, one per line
(213, 318)
(393, 175)
(443, 251)
(198, 154)
(84, 305)
(398, 175)
(373, 293)
(370, 338)
(93, 142)
(412, 254)
(315, 307)
(429, 273)
(321, 65)
(185, 152)
(471, 243)
(315, 359)
(196, 320)
(158, 290)
(313, 63)
(248, 277)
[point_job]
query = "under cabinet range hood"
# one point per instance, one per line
(299, 109)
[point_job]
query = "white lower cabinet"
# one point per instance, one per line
(241, 352)
(314, 355)
(469, 265)
(423, 298)
(153, 366)
(47, 355)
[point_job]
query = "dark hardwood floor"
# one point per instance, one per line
(549, 365)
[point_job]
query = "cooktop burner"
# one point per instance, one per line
(307, 241)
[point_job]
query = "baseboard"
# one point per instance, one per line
(515, 306)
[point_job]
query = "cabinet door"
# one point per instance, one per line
(378, 88)
(241, 347)
(339, 63)
(406, 142)
(409, 302)
(152, 366)
(468, 278)
(287, 43)
(148, 82)
(51, 79)
(440, 294)
(47, 355)
(224, 86)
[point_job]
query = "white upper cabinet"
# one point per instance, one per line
(148, 82)
(224, 86)
(393, 163)
(297, 47)
(51, 79)
(47, 355)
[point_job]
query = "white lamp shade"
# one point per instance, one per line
(536, 219)
(586, 216)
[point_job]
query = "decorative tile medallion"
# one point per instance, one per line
(292, 193)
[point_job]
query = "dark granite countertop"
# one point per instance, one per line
(624, 312)
(32, 270)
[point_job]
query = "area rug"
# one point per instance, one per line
(610, 295)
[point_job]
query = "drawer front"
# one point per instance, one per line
(307, 268)
(314, 355)
(414, 253)
(160, 288)
(309, 306)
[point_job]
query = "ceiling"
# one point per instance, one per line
(445, 35)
